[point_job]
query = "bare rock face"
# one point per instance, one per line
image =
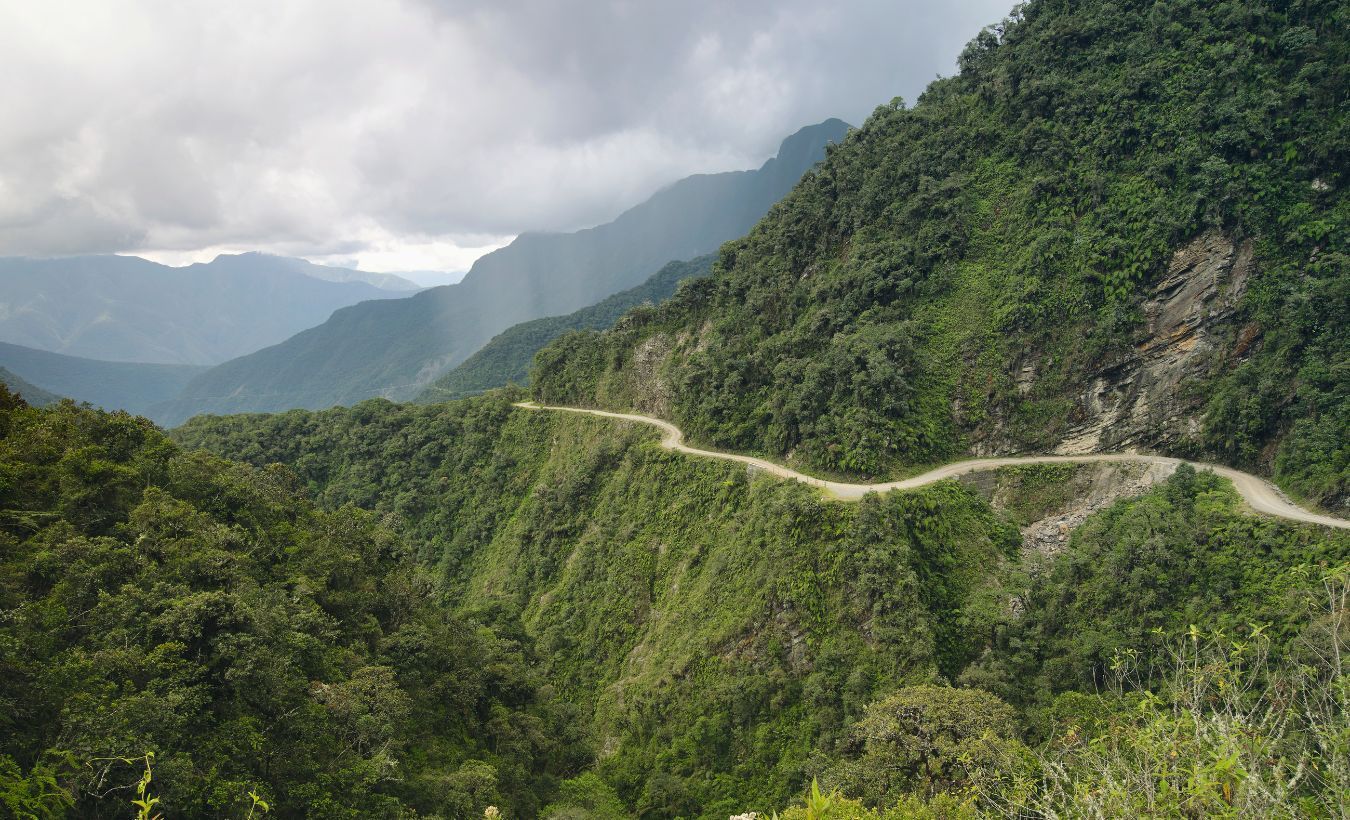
(1142, 401)
(651, 393)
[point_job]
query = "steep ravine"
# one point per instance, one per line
(703, 618)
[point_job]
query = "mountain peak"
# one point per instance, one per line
(810, 141)
(261, 260)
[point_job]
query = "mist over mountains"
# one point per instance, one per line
(394, 348)
(128, 309)
(508, 357)
(137, 387)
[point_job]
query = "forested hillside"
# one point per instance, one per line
(722, 634)
(1122, 224)
(508, 357)
(30, 393)
(205, 613)
(395, 349)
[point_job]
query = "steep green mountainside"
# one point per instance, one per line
(130, 386)
(394, 349)
(1122, 225)
(720, 633)
(507, 358)
(129, 309)
(205, 612)
(30, 393)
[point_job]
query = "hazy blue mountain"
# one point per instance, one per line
(395, 348)
(246, 263)
(30, 393)
(124, 308)
(507, 358)
(132, 386)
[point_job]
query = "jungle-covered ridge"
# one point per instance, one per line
(462, 609)
(724, 634)
(592, 626)
(981, 272)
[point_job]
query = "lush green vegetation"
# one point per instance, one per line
(721, 636)
(396, 348)
(718, 632)
(507, 358)
(1017, 217)
(1221, 730)
(1140, 573)
(434, 608)
(171, 603)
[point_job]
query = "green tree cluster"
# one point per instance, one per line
(175, 603)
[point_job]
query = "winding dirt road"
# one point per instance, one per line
(1260, 495)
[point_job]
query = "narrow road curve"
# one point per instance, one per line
(1260, 495)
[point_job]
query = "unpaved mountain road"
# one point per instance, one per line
(1260, 495)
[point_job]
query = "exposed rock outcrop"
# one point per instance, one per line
(1142, 401)
(651, 392)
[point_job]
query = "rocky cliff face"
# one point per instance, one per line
(1144, 400)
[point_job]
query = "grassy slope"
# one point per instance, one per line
(703, 619)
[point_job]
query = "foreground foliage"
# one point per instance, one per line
(174, 603)
(1214, 727)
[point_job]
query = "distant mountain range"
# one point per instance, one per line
(395, 348)
(131, 386)
(507, 358)
(31, 393)
(128, 309)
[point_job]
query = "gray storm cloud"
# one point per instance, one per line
(322, 127)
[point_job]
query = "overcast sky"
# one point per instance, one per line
(415, 134)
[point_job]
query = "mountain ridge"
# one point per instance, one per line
(1100, 232)
(125, 308)
(1121, 226)
(137, 387)
(394, 349)
(508, 356)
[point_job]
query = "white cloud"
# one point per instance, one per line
(414, 132)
